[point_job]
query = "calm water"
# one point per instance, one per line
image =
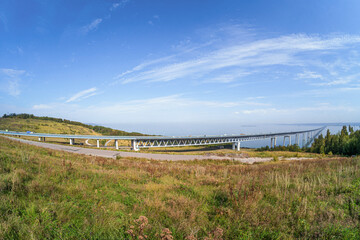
(184, 129)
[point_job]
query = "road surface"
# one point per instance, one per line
(114, 154)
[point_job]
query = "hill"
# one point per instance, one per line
(28, 122)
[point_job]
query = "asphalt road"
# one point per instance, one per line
(153, 156)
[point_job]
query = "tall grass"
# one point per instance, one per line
(52, 194)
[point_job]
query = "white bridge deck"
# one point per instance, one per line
(137, 142)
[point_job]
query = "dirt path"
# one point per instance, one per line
(114, 154)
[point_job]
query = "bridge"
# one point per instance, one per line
(137, 142)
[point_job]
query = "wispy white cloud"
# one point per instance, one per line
(226, 78)
(336, 80)
(287, 111)
(154, 19)
(284, 50)
(92, 26)
(82, 95)
(175, 107)
(42, 106)
(177, 100)
(118, 4)
(155, 62)
(12, 72)
(309, 75)
(333, 83)
(11, 79)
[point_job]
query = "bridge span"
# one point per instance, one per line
(137, 142)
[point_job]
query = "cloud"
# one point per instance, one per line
(12, 81)
(155, 18)
(226, 78)
(333, 83)
(309, 75)
(82, 95)
(118, 4)
(12, 72)
(319, 108)
(92, 26)
(284, 50)
(158, 61)
(336, 80)
(176, 101)
(42, 106)
(169, 108)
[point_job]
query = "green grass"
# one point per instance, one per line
(43, 126)
(58, 195)
(227, 151)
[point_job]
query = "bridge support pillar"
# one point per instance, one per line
(72, 140)
(97, 143)
(303, 140)
(285, 140)
(116, 144)
(238, 146)
(134, 145)
(273, 142)
(297, 139)
(233, 146)
(39, 139)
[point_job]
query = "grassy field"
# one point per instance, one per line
(50, 194)
(227, 151)
(43, 126)
(48, 126)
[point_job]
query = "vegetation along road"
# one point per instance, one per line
(114, 154)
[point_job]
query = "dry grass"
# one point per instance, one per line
(43, 126)
(51, 194)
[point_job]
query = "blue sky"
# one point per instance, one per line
(211, 62)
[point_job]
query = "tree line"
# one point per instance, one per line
(346, 142)
(99, 129)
